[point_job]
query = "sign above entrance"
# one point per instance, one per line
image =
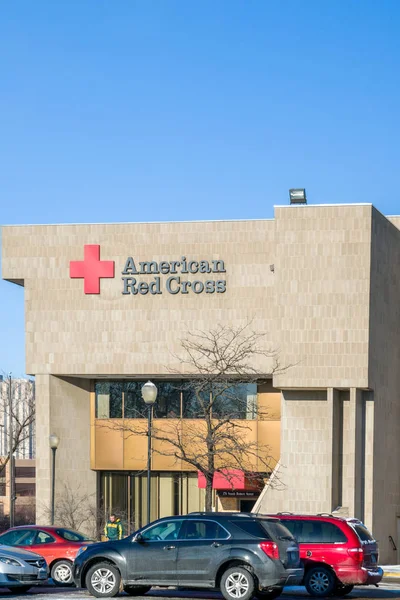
(92, 269)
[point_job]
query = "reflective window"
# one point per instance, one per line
(253, 528)
(71, 536)
(167, 530)
(237, 401)
(109, 399)
(16, 537)
(315, 532)
(134, 406)
(195, 401)
(363, 533)
(168, 403)
(203, 530)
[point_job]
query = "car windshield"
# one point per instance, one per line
(72, 536)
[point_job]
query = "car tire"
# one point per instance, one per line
(20, 589)
(237, 583)
(268, 594)
(137, 590)
(320, 582)
(103, 580)
(61, 573)
(342, 590)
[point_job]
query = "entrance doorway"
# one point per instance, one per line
(247, 505)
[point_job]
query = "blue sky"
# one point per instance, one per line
(122, 110)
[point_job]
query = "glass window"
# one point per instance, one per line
(25, 489)
(167, 530)
(168, 403)
(28, 472)
(277, 530)
(195, 400)
(134, 406)
(72, 536)
(43, 537)
(315, 532)
(15, 537)
(109, 399)
(363, 533)
(237, 401)
(203, 530)
(253, 528)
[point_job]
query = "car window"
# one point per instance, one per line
(278, 530)
(72, 536)
(253, 528)
(315, 532)
(363, 533)
(15, 537)
(167, 530)
(203, 530)
(43, 537)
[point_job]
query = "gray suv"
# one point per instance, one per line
(241, 554)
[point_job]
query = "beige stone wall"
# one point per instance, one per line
(322, 268)
(70, 333)
(385, 381)
(304, 480)
(63, 408)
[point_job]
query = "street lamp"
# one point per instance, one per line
(149, 395)
(11, 451)
(53, 441)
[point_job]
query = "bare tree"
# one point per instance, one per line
(22, 413)
(215, 435)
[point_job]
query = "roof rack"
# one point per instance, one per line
(222, 514)
(285, 513)
(324, 515)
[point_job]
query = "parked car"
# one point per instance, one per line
(337, 553)
(239, 553)
(58, 545)
(20, 570)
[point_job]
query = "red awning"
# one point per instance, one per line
(231, 479)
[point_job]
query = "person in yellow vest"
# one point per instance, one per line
(113, 529)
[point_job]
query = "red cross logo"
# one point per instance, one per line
(91, 269)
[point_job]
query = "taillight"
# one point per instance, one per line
(357, 554)
(270, 549)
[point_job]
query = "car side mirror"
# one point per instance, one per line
(138, 538)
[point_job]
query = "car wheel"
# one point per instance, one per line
(319, 582)
(268, 594)
(137, 590)
(61, 573)
(20, 589)
(237, 583)
(103, 580)
(342, 590)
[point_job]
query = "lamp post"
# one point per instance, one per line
(53, 441)
(149, 395)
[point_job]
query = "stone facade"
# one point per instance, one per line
(322, 281)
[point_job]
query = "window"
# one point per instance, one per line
(71, 536)
(315, 532)
(168, 402)
(278, 530)
(134, 406)
(28, 472)
(25, 489)
(167, 530)
(18, 537)
(192, 406)
(203, 530)
(253, 528)
(43, 537)
(238, 401)
(109, 399)
(363, 533)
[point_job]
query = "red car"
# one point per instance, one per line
(337, 553)
(58, 545)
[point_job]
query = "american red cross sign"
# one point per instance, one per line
(91, 269)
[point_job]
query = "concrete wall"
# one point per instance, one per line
(384, 361)
(63, 408)
(322, 268)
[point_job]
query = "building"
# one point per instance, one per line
(23, 403)
(106, 305)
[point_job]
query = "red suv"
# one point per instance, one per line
(337, 553)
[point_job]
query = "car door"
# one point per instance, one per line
(204, 542)
(46, 545)
(153, 554)
(317, 539)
